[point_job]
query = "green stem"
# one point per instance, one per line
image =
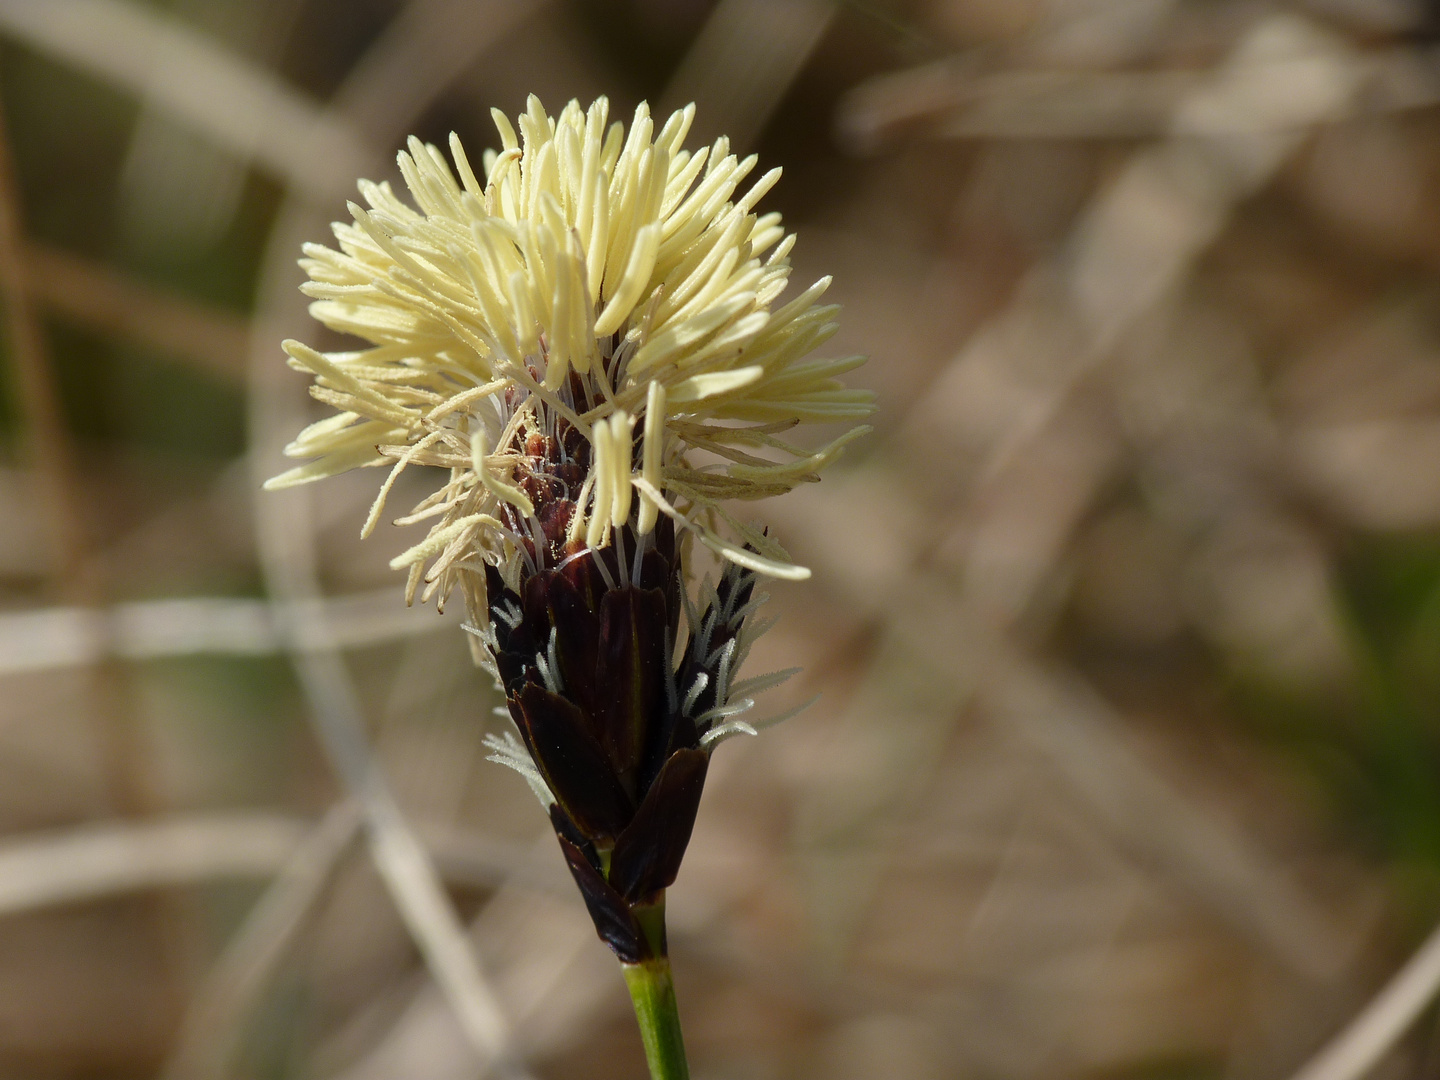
(653, 993)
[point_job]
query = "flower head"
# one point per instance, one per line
(588, 343)
(591, 332)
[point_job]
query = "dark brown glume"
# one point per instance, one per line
(614, 731)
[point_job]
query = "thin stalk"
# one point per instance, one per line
(652, 991)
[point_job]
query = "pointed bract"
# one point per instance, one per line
(614, 921)
(577, 642)
(647, 855)
(573, 763)
(631, 672)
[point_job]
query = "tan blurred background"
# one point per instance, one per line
(1125, 621)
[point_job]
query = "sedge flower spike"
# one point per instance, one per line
(591, 344)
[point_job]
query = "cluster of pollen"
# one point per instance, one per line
(585, 340)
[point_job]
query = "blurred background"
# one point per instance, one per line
(1125, 622)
